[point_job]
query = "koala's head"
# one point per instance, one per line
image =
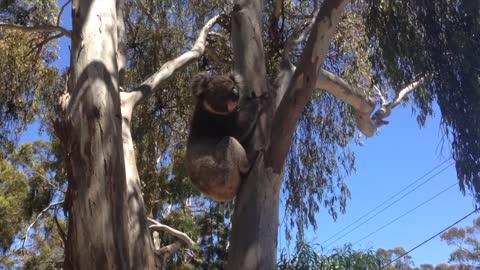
(218, 94)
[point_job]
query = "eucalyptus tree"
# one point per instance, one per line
(300, 128)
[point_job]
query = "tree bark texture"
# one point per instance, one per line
(97, 234)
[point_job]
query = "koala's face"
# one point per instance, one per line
(218, 94)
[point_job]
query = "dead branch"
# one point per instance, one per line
(178, 234)
(387, 107)
(153, 82)
(36, 220)
(39, 28)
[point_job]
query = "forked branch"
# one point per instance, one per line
(387, 107)
(155, 225)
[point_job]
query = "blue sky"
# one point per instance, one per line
(388, 162)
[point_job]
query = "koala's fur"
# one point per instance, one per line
(223, 119)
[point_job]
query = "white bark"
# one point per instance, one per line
(363, 105)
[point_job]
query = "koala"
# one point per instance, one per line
(223, 119)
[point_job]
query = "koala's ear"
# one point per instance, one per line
(199, 83)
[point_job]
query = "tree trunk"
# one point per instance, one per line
(253, 241)
(141, 246)
(97, 230)
(255, 220)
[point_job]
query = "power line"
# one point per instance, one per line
(406, 213)
(386, 207)
(429, 239)
(391, 197)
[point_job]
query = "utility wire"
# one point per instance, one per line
(429, 239)
(384, 202)
(406, 213)
(388, 206)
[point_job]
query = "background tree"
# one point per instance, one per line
(466, 241)
(306, 257)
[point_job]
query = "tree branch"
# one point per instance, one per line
(153, 82)
(387, 107)
(303, 82)
(61, 11)
(39, 28)
(36, 220)
(362, 104)
(178, 234)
